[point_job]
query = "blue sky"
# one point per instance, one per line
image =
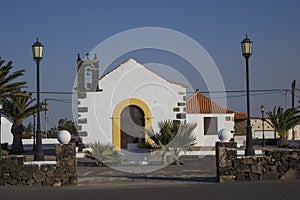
(70, 27)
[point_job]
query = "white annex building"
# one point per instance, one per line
(6, 136)
(210, 118)
(116, 107)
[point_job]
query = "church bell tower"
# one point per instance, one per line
(87, 82)
(87, 74)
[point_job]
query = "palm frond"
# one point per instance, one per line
(152, 135)
(184, 138)
(102, 152)
(9, 88)
(283, 120)
(20, 107)
(172, 138)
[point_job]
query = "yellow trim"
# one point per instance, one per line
(116, 118)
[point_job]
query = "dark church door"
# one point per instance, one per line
(132, 124)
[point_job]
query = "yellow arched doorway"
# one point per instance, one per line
(116, 118)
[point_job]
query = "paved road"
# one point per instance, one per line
(274, 190)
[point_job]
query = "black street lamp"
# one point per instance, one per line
(37, 51)
(34, 133)
(262, 110)
(247, 51)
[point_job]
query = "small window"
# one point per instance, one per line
(210, 125)
(227, 118)
(88, 77)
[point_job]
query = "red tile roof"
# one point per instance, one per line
(198, 103)
(240, 115)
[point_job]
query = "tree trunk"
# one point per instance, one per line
(177, 162)
(282, 142)
(176, 152)
(17, 145)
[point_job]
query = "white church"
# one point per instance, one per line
(116, 107)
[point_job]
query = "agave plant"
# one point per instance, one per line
(102, 153)
(172, 138)
(282, 121)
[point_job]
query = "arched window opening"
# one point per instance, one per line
(88, 77)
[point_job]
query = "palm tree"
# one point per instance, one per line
(167, 131)
(18, 108)
(282, 121)
(102, 153)
(183, 140)
(69, 125)
(172, 138)
(7, 88)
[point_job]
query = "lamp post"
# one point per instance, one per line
(1, 106)
(37, 51)
(262, 110)
(247, 51)
(34, 133)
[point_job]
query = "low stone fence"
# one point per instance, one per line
(15, 171)
(277, 164)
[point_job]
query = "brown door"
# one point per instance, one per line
(132, 124)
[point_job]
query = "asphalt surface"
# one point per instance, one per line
(196, 179)
(274, 190)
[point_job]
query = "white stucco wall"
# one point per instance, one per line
(209, 140)
(256, 124)
(6, 135)
(129, 80)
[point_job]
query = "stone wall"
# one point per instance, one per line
(277, 164)
(14, 170)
